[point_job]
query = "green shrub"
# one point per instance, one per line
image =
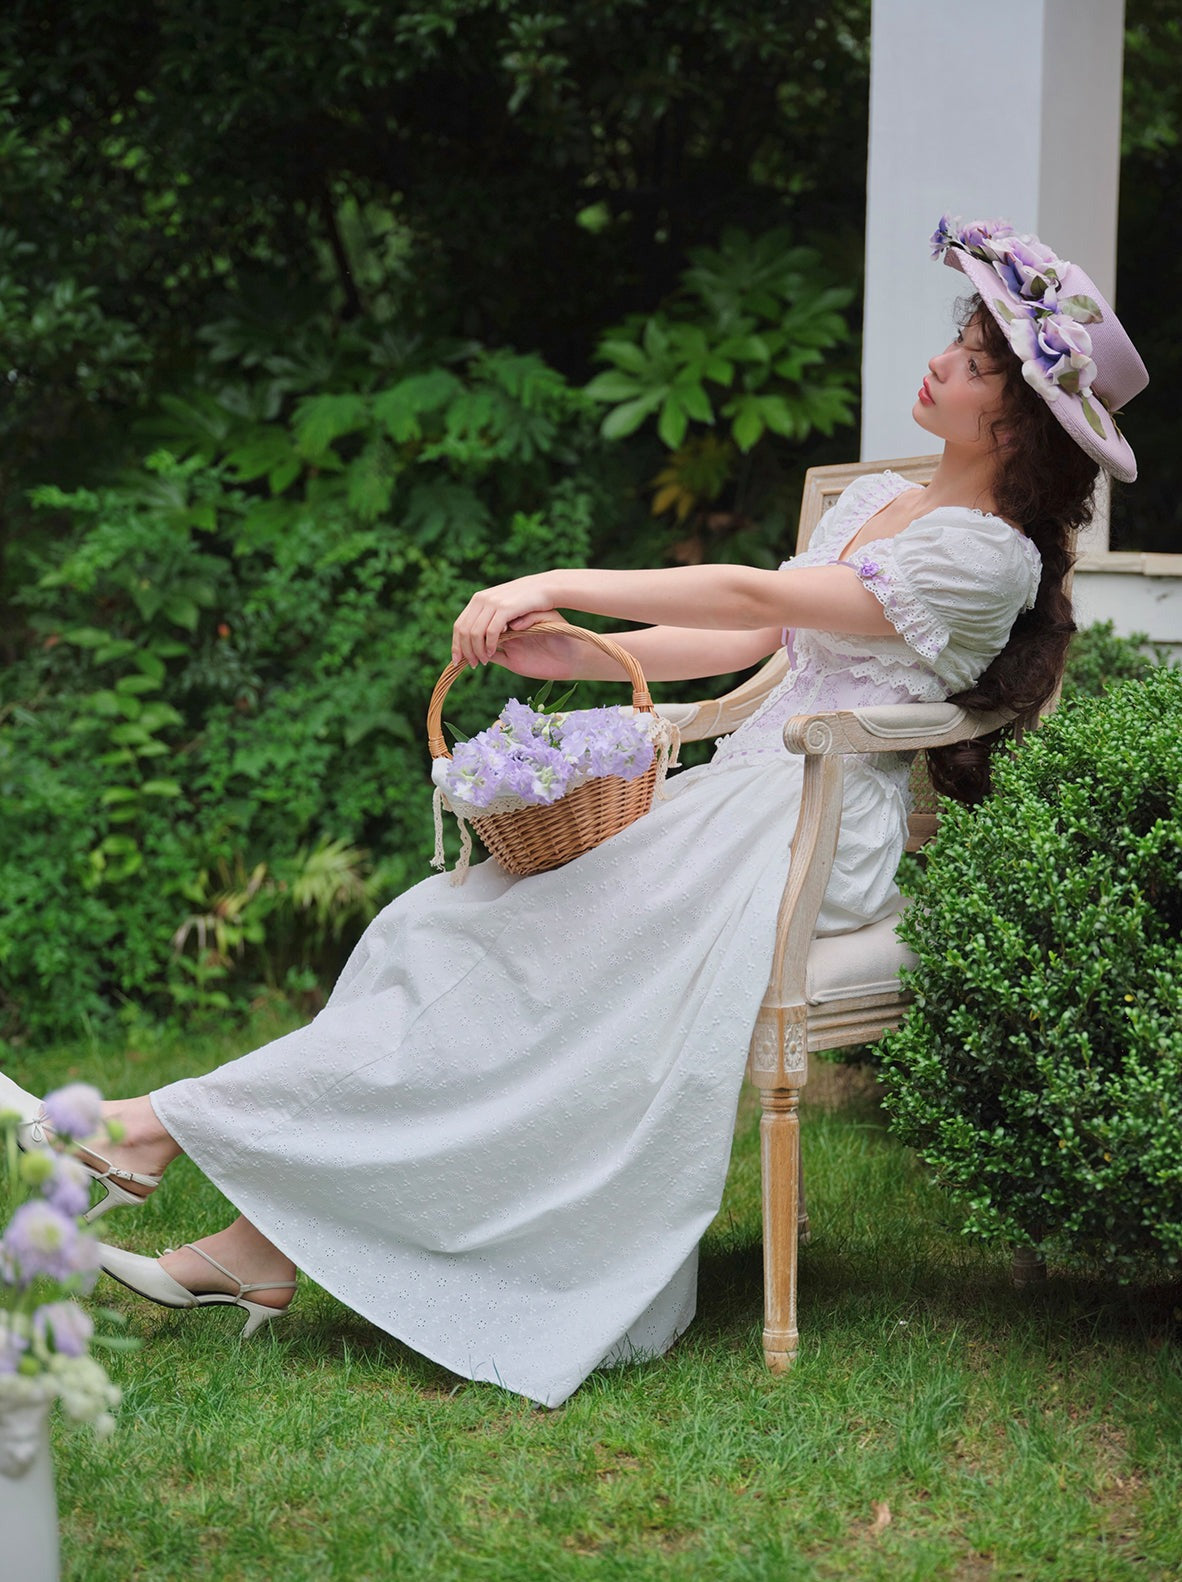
(212, 757)
(1040, 1071)
(1097, 658)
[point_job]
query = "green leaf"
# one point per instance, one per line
(672, 423)
(777, 415)
(181, 611)
(400, 407)
(118, 648)
(106, 703)
(626, 353)
(612, 386)
(129, 735)
(117, 845)
(655, 339)
(269, 448)
(369, 483)
(1083, 309)
(163, 788)
(86, 637)
(284, 475)
(558, 706)
(747, 348)
(695, 401)
(626, 419)
(1093, 417)
(320, 420)
(157, 715)
(748, 425)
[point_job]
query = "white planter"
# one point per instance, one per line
(28, 1501)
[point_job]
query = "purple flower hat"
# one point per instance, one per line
(1073, 349)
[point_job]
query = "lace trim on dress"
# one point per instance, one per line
(910, 617)
(921, 683)
(925, 656)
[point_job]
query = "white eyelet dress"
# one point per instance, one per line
(503, 1137)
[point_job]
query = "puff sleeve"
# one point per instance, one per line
(952, 585)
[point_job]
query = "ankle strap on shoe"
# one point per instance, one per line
(259, 1285)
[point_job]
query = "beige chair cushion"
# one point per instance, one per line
(866, 961)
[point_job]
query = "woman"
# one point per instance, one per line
(505, 1134)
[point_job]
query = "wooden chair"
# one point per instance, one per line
(831, 992)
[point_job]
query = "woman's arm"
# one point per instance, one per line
(665, 653)
(718, 599)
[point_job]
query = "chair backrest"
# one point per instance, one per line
(824, 485)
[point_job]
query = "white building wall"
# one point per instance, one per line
(1010, 111)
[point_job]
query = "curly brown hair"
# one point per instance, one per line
(1044, 484)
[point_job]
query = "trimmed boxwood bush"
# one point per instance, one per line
(1039, 1073)
(1098, 658)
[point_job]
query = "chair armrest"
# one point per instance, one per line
(822, 739)
(888, 728)
(718, 716)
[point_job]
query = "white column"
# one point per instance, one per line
(1011, 111)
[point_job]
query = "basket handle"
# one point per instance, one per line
(641, 701)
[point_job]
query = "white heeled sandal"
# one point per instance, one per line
(31, 1135)
(146, 1278)
(115, 1196)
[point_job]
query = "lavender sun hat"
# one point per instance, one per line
(1073, 348)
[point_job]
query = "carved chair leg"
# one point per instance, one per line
(779, 1134)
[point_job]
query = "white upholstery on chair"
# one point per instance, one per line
(863, 962)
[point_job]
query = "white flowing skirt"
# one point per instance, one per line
(504, 1135)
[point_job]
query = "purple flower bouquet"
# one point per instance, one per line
(530, 759)
(47, 1261)
(528, 762)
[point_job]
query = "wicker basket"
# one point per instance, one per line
(535, 839)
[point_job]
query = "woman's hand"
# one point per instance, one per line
(547, 656)
(476, 635)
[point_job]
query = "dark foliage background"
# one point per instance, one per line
(300, 312)
(312, 319)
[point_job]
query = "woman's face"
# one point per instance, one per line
(962, 394)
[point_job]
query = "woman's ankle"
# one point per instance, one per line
(136, 1128)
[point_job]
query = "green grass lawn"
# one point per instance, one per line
(938, 1424)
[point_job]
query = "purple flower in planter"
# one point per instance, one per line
(75, 1110)
(68, 1188)
(42, 1240)
(64, 1327)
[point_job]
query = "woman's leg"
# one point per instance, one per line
(246, 1253)
(143, 1147)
